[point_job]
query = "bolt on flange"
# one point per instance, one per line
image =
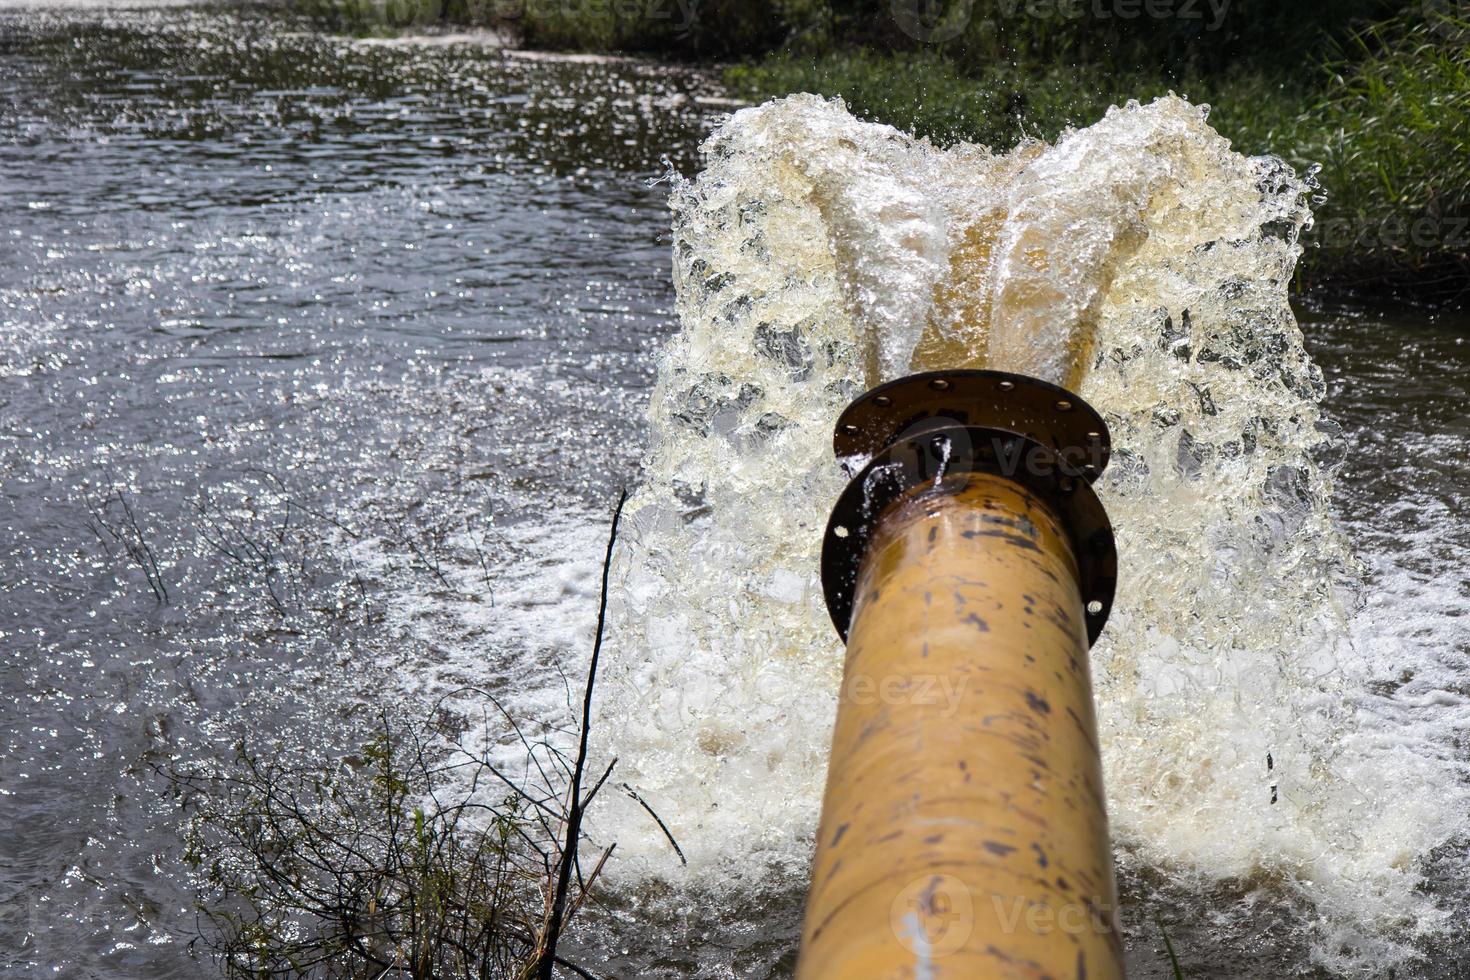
(938, 426)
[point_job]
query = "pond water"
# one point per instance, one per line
(395, 308)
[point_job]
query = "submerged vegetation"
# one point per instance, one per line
(1374, 92)
(415, 856)
(385, 864)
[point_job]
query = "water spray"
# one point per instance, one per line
(969, 565)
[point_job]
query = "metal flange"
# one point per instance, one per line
(940, 458)
(1029, 407)
(933, 428)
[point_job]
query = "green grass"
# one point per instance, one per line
(1169, 948)
(1391, 129)
(1386, 116)
(934, 96)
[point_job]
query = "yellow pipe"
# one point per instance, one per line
(963, 831)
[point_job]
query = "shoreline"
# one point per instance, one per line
(1377, 110)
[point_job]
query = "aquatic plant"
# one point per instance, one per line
(409, 856)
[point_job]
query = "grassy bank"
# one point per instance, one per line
(1375, 92)
(1385, 113)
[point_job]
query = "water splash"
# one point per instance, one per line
(1140, 260)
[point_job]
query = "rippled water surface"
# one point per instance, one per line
(373, 305)
(388, 313)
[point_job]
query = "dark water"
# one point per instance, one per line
(1398, 386)
(257, 284)
(339, 299)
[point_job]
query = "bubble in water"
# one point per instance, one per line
(1144, 263)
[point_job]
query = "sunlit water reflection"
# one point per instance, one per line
(392, 309)
(339, 297)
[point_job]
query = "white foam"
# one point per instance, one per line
(1142, 259)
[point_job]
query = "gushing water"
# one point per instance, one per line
(412, 286)
(1140, 260)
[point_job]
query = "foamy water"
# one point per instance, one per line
(1146, 263)
(816, 255)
